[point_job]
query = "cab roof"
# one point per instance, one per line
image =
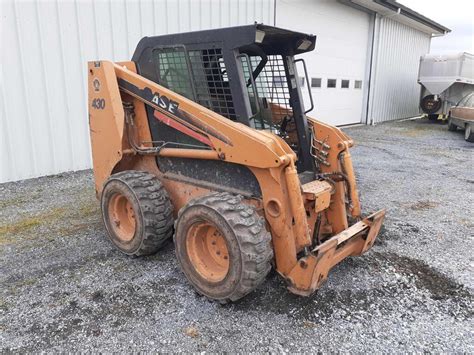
(272, 40)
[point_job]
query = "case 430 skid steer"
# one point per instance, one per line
(203, 136)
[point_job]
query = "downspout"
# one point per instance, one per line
(370, 64)
(399, 10)
(373, 71)
(274, 12)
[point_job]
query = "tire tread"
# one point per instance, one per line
(253, 238)
(157, 210)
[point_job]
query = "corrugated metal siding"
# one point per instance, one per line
(395, 92)
(44, 49)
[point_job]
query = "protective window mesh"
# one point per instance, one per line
(205, 81)
(211, 82)
(173, 70)
(272, 91)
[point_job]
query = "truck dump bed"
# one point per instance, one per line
(445, 80)
(438, 72)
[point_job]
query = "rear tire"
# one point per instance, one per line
(222, 246)
(137, 212)
(451, 126)
(469, 133)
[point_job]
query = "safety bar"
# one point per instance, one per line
(252, 80)
(307, 83)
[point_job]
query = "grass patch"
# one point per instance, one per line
(44, 226)
(75, 228)
(414, 132)
(423, 205)
(10, 232)
(412, 129)
(21, 226)
(19, 200)
(88, 210)
(191, 331)
(3, 305)
(13, 202)
(48, 225)
(80, 218)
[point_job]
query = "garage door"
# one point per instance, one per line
(337, 66)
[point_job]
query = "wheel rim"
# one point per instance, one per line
(207, 251)
(122, 217)
(467, 132)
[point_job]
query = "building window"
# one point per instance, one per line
(315, 82)
(358, 84)
(345, 84)
(302, 81)
(332, 83)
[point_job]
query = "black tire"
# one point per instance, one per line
(148, 201)
(469, 133)
(430, 105)
(451, 126)
(248, 244)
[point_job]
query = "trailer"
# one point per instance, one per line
(444, 80)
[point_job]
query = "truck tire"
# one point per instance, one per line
(137, 212)
(430, 105)
(222, 246)
(451, 126)
(469, 133)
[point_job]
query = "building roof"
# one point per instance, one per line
(402, 14)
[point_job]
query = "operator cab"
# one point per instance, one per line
(246, 73)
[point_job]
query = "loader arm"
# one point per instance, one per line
(290, 210)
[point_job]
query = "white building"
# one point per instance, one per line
(365, 65)
(363, 70)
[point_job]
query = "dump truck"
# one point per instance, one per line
(204, 137)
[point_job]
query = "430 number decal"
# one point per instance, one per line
(98, 104)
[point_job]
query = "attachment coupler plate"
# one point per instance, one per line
(312, 270)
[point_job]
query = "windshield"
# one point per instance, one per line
(467, 101)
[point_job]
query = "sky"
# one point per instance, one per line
(457, 15)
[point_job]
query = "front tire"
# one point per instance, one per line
(137, 212)
(469, 133)
(222, 246)
(451, 126)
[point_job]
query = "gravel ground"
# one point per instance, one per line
(65, 288)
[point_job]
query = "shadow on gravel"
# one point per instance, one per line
(440, 287)
(413, 275)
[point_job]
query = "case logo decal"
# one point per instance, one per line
(96, 84)
(165, 103)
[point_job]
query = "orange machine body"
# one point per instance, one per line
(121, 141)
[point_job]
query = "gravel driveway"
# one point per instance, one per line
(63, 287)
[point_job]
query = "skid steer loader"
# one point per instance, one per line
(204, 136)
